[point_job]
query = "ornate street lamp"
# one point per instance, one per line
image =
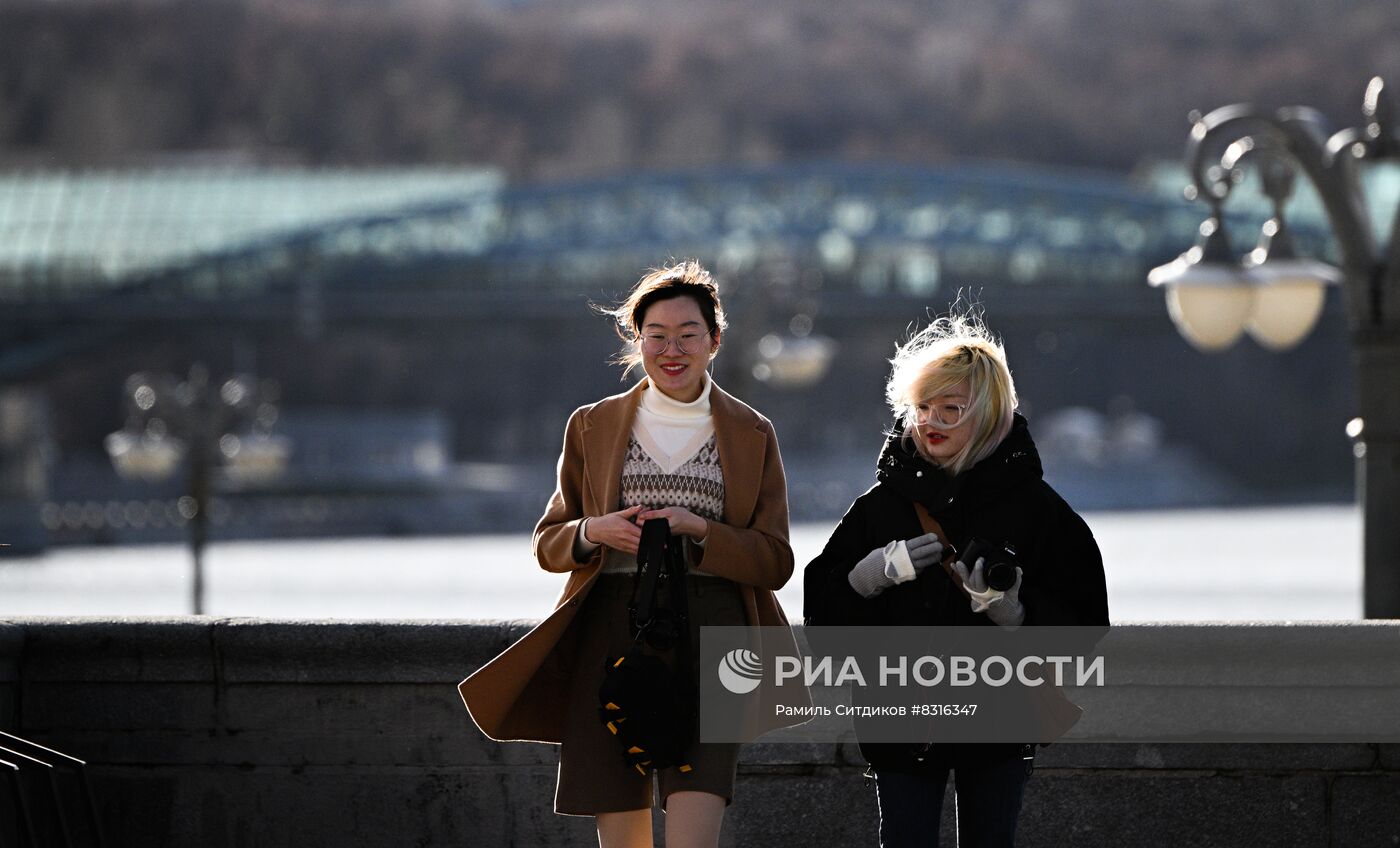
(1276, 297)
(206, 427)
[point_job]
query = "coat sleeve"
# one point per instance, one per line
(758, 554)
(1070, 589)
(827, 596)
(553, 541)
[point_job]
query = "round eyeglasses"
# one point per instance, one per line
(655, 344)
(940, 415)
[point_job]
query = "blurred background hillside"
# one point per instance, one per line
(551, 89)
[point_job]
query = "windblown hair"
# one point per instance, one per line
(952, 349)
(683, 279)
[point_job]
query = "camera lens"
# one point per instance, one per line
(1001, 576)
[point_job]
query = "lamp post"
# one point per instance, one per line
(791, 357)
(1276, 297)
(206, 427)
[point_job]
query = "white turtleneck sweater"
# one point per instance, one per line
(671, 431)
(677, 437)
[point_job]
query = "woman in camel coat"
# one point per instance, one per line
(737, 554)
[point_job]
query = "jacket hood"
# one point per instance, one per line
(1014, 462)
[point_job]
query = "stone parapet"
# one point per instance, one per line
(215, 733)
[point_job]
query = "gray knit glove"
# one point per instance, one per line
(1004, 608)
(897, 562)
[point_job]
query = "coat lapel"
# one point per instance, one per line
(741, 446)
(607, 430)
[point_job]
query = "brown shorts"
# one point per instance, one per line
(593, 776)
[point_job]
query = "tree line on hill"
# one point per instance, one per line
(565, 89)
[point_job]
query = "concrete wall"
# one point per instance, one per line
(238, 732)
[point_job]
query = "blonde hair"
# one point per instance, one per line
(682, 279)
(952, 349)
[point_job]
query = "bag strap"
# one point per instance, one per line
(931, 525)
(659, 554)
(651, 560)
(680, 605)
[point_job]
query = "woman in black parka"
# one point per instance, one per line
(961, 450)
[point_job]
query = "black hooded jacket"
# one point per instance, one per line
(1003, 500)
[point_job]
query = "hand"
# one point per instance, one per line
(878, 571)
(683, 522)
(1004, 608)
(617, 530)
(924, 551)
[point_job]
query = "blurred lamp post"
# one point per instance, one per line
(1276, 297)
(793, 362)
(208, 427)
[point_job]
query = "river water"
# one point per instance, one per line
(1290, 563)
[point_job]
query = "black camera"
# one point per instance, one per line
(1000, 566)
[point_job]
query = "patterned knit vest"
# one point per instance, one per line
(697, 485)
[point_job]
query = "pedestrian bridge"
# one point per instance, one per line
(89, 256)
(86, 241)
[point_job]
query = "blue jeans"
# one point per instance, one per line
(988, 803)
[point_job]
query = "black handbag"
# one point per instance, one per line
(648, 704)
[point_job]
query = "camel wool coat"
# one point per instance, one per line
(520, 695)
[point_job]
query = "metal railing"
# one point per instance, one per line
(47, 796)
